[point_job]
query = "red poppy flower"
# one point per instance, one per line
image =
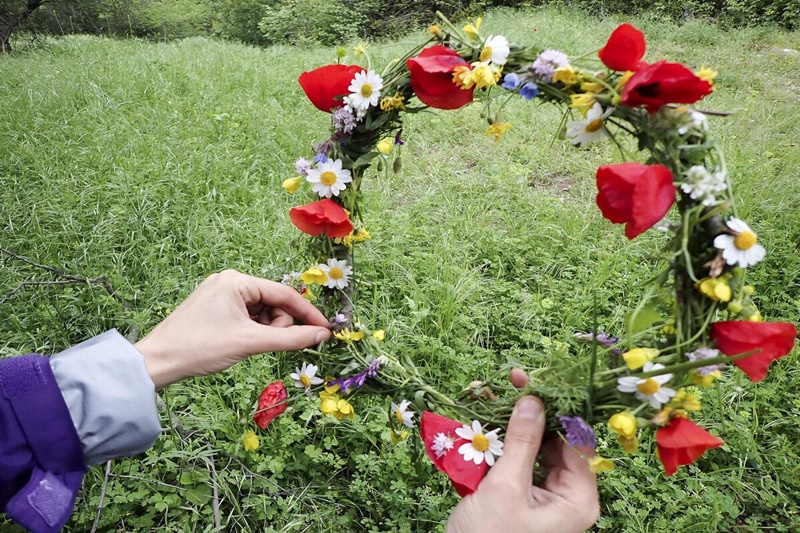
(324, 216)
(682, 442)
(772, 340)
(664, 83)
(432, 78)
(634, 194)
(624, 49)
(271, 403)
(326, 85)
(464, 475)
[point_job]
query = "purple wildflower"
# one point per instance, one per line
(359, 379)
(397, 140)
(338, 322)
(529, 91)
(704, 353)
(578, 432)
(604, 339)
(344, 120)
(547, 62)
(302, 166)
(511, 81)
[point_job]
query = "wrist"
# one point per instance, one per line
(162, 370)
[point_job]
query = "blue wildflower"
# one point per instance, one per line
(511, 81)
(529, 91)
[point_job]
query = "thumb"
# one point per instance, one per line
(522, 442)
(261, 338)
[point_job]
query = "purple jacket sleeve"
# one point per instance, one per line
(41, 462)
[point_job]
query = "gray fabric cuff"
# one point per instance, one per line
(110, 396)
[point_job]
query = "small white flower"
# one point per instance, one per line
(329, 179)
(305, 376)
(365, 90)
(402, 413)
(441, 444)
(583, 132)
(704, 353)
(700, 184)
(495, 50)
(481, 446)
(648, 389)
(337, 272)
(697, 120)
(290, 278)
(741, 247)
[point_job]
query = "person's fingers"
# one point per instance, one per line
(278, 318)
(522, 441)
(518, 377)
(260, 338)
(275, 294)
(569, 473)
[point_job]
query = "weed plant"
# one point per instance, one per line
(158, 164)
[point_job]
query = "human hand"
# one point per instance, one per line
(228, 318)
(506, 499)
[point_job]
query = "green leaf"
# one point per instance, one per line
(639, 320)
(365, 159)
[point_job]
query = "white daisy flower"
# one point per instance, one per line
(365, 90)
(648, 389)
(441, 444)
(740, 248)
(481, 446)
(583, 132)
(337, 272)
(495, 50)
(402, 413)
(700, 184)
(305, 376)
(329, 179)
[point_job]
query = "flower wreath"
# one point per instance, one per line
(696, 316)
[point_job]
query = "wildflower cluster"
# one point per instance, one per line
(696, 317)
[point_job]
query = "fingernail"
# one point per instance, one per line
(528, 407)
(322, 336)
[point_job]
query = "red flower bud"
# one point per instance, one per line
(770, 340)
(624, 49)
(682, 442)
(464, 475)
(271, 403)
(326, 85)
(324, 216)
(634, 194)
(432, 78)
(664, 83)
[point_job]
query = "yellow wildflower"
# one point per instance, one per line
(664, 415)
(755, 317)
(637, 357)
(498, 129)
(434, 30)
(386, 145)
(472, 29)
(566, 75)
(582, 102)
(685, 400)
(337, 407)
(390, 103)
(485, 75)
(399, 436)
(630, 445)
(623, 80)
(715, 288)
(379, 335)
(592, 87)
(704, 381)
(361, 235)
(250, 440)
(707, 74)
(598, 464)
(313, 275)
(462, 77)
(624, 424)
(292, 185)
(309, 295)
(349, 336)
(669, 329)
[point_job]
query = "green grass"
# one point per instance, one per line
(157, 164)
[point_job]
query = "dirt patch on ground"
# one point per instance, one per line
(560, 184)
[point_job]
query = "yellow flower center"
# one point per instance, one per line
(399, 414)
(745, 240)
(336, 273)
(480, 443)
(305, 380)
(594, 125)
(650, 386)
(328, 177)
(366, 90)
(486, 53)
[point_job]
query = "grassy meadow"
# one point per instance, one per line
(156, 164)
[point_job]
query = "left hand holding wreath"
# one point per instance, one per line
(228, 318)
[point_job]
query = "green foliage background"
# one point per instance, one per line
(159, 163)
